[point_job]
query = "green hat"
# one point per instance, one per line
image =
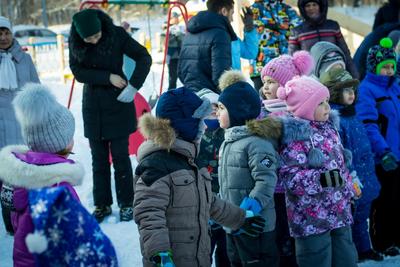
(336, 80)
(86, 23)
(380, 55)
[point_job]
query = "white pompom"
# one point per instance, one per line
(36, 242)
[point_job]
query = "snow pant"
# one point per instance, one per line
(333, 248)
(247, 251)
(359, 229)
(285, 243)
(257, 82)
(123, 175)
(385, 217)
(173, 73)
(6, 212)
(218, 243)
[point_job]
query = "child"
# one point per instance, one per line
(378, 107)
(247, 168)
(47, 216)
(278, 72)
(327, 56)
(173, 197)
(318, 186)
(342, 88)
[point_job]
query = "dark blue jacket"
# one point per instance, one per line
(206, 51)
(378, 107)
(354, 137)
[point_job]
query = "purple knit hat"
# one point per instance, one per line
(285, 67)
(303, 95)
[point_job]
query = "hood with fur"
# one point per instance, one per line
(323, 8)
(18, 173)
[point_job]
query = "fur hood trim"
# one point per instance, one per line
(230, 77)
(297, 129)
(17, 173)
(269, 128)
(158, 130)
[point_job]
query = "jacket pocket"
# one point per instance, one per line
(184, 190)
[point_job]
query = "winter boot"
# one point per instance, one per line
(126, 214)
(369, 255)
(392, 251)
(100, 213)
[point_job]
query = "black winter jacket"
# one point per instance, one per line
(104, 116)
(206, 51)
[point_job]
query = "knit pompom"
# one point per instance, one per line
(230, 77)
(386, 42)
(281, 93)
(315, 158)
(36, 242)
(348, 157)
(304, 62)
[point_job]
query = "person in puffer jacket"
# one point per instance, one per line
(378, 107)
(317, 182)
(343, 88)
(247, 168)
(315, 28)
(173, 196)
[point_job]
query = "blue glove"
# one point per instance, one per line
(389, 161)
(252, 204)
(163, 259)
(252, 226)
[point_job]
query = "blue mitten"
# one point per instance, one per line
(163, 259)
(252, 204)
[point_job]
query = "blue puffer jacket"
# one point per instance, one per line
(206, 51)
(354, 137)
(378, 107)
(246, 49)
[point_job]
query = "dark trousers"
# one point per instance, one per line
(285, 243)
(173, 73)
(246, 251)
(6, 212)
(360, 226)
(218, 243)
(257, 82)
(385, 216)
(123, 175)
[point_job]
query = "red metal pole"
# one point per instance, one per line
(70, 93)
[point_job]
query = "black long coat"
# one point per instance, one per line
(104, 116)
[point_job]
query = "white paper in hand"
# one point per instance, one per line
(128, 94)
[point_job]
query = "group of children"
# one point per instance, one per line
(298, 172)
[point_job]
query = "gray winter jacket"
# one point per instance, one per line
(10, 132)
(174, 202)
(248, 166)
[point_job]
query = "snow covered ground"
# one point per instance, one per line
(124, 235)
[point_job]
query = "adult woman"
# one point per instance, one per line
(315, 28)
(96, 48)
(16, 69)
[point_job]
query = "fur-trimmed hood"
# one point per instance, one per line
(297, 129)
(18, 173)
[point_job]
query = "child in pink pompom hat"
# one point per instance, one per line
(318, 187)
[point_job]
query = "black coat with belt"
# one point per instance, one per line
(104, 116)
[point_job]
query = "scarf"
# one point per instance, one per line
(8, 73)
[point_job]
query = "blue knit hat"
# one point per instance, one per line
(180, 107)
(242, 102)
(381, 54)
(65, 234)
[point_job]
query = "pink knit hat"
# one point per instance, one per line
(285, 67)
(303, 95)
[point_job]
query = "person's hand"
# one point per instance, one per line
(117, 81)
(331, 178)
(252, 204)
(389, 162)
(127, 95)
(247, 19)
(163, 259)
(252, 226)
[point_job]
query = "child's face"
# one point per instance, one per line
(269, 88)
(214, 111)
(348, 96)
(223, 116)
(387, 70)
(321, 113)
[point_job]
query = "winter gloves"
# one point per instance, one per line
(247, 19)
(128, 94)
(252, 226)
(163, 259)
(252, 204)
(389, 161)
(331, 178)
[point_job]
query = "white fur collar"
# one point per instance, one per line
(17, 173)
